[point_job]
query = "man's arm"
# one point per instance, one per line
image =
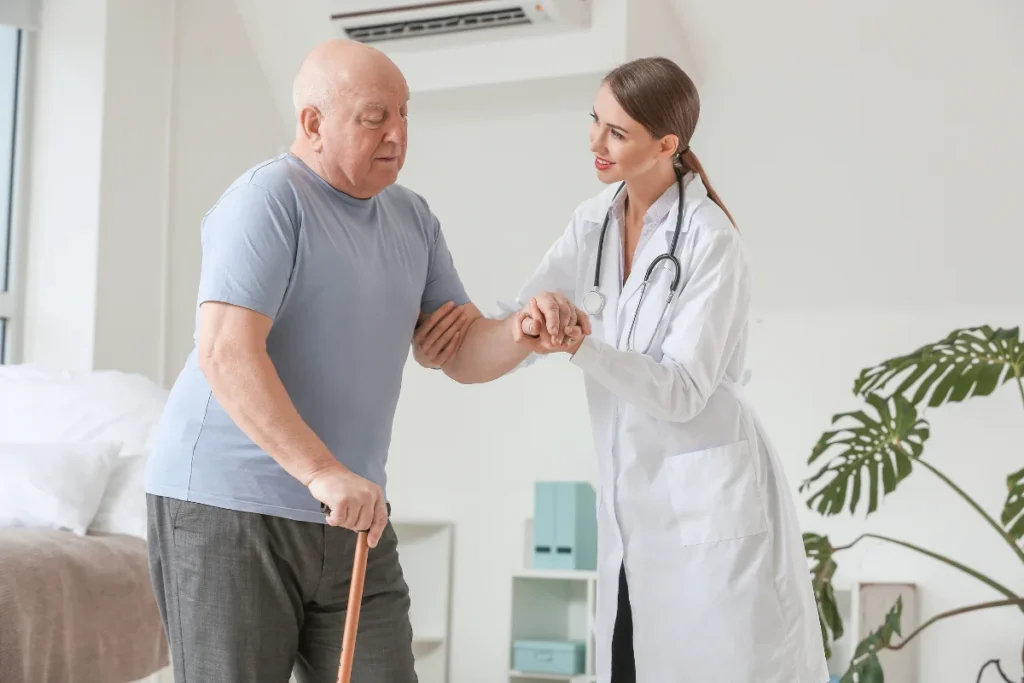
(233, 357)
(488, 350)
(491, 348)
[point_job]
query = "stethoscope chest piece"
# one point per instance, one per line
(593, 302)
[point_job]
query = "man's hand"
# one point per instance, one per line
(353, 502)
(438, 335)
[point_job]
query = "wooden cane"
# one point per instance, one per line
(355, 601)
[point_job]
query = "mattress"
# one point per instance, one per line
(77, 609)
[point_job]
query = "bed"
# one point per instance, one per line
(76, 602)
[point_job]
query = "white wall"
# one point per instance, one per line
(871, 154)
(224, 121)
(99, 114)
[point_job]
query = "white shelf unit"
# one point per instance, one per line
(426, 551)
(863, 606)
(552, 604)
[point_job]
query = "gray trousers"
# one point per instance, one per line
(250, 598)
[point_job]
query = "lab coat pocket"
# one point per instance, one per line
(714, 494)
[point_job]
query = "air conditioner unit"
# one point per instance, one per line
(554, 39)
(375, 21)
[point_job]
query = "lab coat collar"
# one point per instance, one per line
(595, 210)
(657, 211)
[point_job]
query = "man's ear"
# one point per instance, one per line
(310, 119)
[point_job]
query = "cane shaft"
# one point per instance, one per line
(355, 601)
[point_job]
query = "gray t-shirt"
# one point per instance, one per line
(344, 280)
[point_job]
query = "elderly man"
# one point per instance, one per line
(316, 269)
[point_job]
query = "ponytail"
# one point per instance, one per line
(688, 161)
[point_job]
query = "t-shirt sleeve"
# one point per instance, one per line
(443, 281)
(248, 243)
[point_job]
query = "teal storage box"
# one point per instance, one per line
(564, 526)
(561, 657)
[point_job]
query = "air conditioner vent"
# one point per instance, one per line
(513, 16)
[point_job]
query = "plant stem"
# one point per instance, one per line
(941, 558)
(1020, 384)
(981, 511)
(953, 613)
(998, 669)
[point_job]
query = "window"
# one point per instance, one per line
(10, 51)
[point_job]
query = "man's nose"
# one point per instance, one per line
(397, 133)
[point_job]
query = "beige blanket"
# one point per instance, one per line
(76, 609)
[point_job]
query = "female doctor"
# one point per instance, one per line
(702, 576)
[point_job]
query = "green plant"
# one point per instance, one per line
(871, 451)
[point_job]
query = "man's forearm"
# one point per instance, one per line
(488, 351)
(247, 385)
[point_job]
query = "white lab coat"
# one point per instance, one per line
(690, 493)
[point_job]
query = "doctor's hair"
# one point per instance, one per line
(658, 95)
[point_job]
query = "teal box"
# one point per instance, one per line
(565, 658)
(564, 526)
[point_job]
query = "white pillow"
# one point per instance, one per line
(123, 508)
(49, 406)
(53, 485)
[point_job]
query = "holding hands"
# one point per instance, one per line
(551, 323)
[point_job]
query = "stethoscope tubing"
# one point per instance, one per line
(669, 256)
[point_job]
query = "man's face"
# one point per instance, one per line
(363, 136)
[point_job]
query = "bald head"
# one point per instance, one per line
(335, 68)
(350, 108)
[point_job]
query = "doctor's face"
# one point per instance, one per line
(623, 149)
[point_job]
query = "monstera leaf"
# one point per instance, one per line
(819, 551)
(873, 453)
(865, 667)
(968, 362)
(1013, 511)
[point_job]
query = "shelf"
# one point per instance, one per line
(437, 524)
(552, 604)
(557, 574)
(426, 641)
(580, 678)
(425, 550)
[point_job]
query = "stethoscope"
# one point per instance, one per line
(593, 300)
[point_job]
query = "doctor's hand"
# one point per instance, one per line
(557, 316)
(350, 501)
(530, 330)
(439, 335)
